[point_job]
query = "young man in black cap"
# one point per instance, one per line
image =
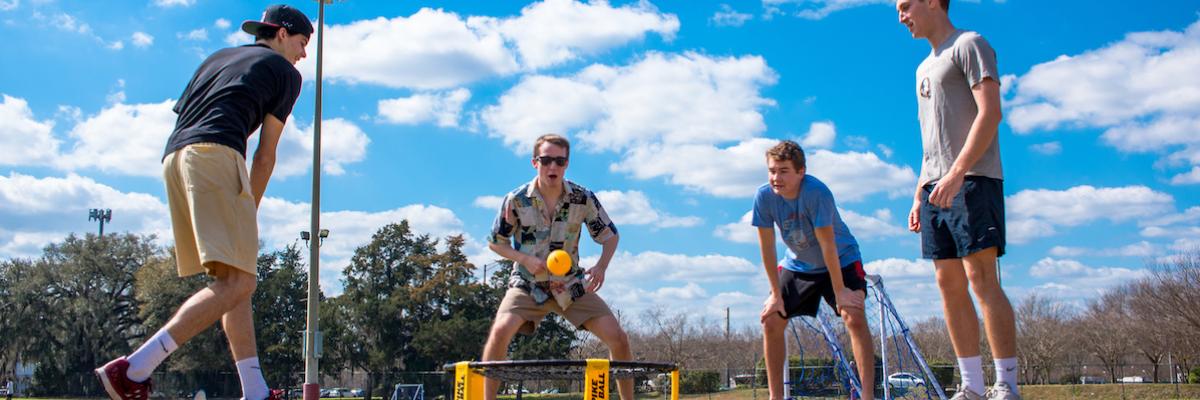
(214, 199)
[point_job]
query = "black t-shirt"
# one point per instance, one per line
(230, 95)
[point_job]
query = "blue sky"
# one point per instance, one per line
(431, 107)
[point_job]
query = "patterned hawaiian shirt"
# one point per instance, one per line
(522, 218)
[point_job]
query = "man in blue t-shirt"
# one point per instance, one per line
(803, 209)
(213, 196)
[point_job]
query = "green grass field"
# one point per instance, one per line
(1031, 392)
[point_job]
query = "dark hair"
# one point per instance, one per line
(945, 5)
(788, 150)
(555, 139)
(268, 33)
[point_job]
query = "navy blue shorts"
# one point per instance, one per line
(974, 221)
(802, 292)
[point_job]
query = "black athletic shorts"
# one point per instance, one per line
(974, 221)
(802, 292)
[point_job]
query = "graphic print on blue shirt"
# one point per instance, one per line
(797, 218)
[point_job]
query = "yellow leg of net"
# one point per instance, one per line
(468, 385)
(675, 385)
(595, 380)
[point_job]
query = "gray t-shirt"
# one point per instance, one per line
(947, 108)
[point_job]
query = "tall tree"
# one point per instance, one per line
(280, 309)
(91, 312)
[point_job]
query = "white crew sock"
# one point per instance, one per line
(971, 369)
(152, 353)
(254, 387)
(1006, 371)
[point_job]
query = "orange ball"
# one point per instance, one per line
(558, 262)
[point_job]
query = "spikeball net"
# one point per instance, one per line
(822, 345)
(597, 374)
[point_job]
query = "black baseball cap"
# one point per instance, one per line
(281, 16)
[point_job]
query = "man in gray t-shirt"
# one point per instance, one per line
(958, 206)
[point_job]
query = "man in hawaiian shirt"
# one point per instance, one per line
(544, 215)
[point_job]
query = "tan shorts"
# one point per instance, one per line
(212, 209)
(520, 303)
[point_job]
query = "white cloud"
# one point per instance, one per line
(280, 223)
(910, 284)
(173, 3)
(122, 138)
(1034, 213)
(735, 171)
(852, 176)
(871, 227)
(739, 232)
(820, 136)
(1048, 148)
(238, 38)
(1141, 90)
(9, 5)
(817, 9)
(633, 208)
(552, 32)
(652, 265)
(32, 140)
(1187, 178)
(38, 211)
(897, 268)
(682, 283)
(342, 143)
(539, 105)
(221, 23)
(1074, 281)
(489, 202)
(1139, 249)
(727, 16)
(198, 34)
(444, 108)
(697, 99)
(142, 39)
(431, 49)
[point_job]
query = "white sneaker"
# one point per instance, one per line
(1001, 391)
(962, 393)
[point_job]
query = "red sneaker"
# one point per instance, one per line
(276, 394)
(118, 385)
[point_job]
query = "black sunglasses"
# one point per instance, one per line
(546, 160)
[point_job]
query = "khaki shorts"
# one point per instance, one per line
(212, 209)
(520, 303)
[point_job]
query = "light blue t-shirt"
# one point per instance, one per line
(796, 218)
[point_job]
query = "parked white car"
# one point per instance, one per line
(905, 380)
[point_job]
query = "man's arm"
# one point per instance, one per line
(983, 132)
(531, 263)
(844, 296)
(766, 247)
(264, 157)
(596, 272)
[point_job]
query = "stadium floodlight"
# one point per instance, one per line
(103, 215)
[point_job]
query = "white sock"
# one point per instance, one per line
(971, 369)
(152, 353)
(1006, 371)
(254, 387)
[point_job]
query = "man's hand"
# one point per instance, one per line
(847, 298)
(595, 278)
(773, 306)
(534, 265)
(945, 190)
(914, 217)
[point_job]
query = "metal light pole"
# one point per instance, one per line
(102, 215)
(312, 388)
